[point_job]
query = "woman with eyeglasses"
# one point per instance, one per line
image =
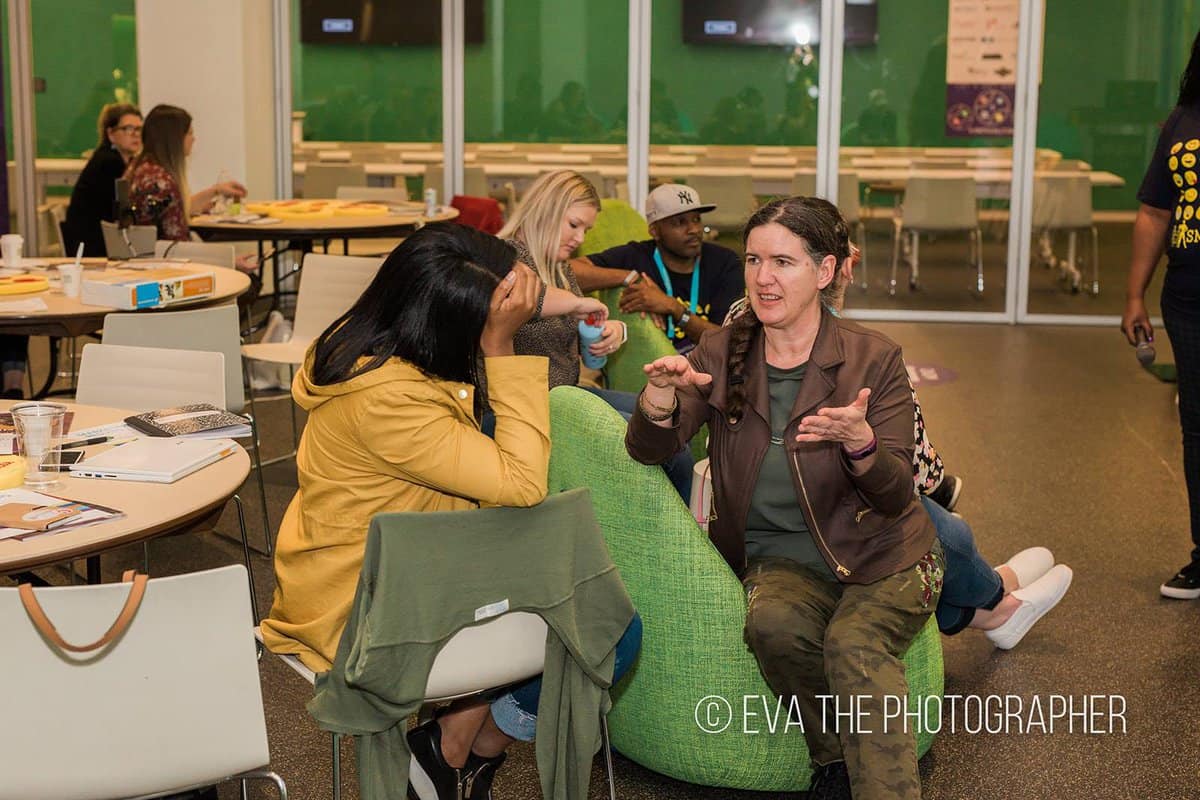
(94, 197)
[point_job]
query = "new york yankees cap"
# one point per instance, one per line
(671, 199)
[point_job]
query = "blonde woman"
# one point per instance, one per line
(549, 225)
(546, 229)
(158, 187)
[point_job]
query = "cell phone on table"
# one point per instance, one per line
(65, 460)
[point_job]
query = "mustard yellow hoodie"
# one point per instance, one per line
(394, 439)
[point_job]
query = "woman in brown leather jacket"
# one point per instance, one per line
(813, 505)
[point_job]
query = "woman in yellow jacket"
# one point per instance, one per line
(390, 389)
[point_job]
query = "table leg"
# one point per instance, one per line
(53, 371)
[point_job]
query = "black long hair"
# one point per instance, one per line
(427, 305)
(823, 230)
(1189, 82)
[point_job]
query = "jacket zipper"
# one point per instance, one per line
(858, 517)
(841, 568)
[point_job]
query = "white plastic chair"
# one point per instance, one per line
(733, 195)
(379, 194)
(172, 703)
(321, 181)
(1062, 201)
(329, 285)
(934, 204)
(215, 253)
(468, 664)
(135, 241)
(213, 329)
(805, 184)
(148, 378)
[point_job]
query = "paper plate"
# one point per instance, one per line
(23, 284)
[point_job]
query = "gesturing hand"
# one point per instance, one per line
(847, 425)
(674, 372)
(512, 305)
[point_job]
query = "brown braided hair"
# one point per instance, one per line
(823, 231)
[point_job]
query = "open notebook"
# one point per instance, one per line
(154, 460)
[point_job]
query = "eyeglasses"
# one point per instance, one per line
(129, 128)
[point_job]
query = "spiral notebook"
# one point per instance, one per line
(195, 421)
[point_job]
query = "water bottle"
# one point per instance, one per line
(1144, 350)
(431, 206)
(589, 333)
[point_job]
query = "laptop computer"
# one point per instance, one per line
(154, 460)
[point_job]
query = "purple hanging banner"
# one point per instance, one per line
(981, 67)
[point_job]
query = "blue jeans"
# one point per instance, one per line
(970, 582)
(679, 467)
(516, 712)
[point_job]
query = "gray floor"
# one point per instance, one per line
(1063, 441)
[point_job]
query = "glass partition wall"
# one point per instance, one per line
(367, 90)
(1106, 88)
(546, 87)
(925, 163)
(733, 103)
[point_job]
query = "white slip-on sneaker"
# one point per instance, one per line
(1030, 564)
(1036, 599)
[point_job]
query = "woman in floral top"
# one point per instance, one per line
(158, 187)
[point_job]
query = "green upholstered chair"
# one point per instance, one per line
(617, 223)
(693, 609)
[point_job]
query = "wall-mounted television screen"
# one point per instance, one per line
(773, 22)
(390, 22)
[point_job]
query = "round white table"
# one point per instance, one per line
(150, 509)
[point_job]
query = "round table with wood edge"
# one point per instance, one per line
(68, 317)
(306, 231)
(150, 509)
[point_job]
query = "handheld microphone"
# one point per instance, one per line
(1144, 350)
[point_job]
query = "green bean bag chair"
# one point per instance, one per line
(693, 609)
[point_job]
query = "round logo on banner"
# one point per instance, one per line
(929, 375)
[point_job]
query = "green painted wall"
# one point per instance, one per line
(85, 64)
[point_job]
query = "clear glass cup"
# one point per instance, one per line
(39, 436)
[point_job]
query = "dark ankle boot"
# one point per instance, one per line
(478, 775)
(830, 782)
(432, 778)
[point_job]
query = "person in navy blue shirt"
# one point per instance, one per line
(687, 284)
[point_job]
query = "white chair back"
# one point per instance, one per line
(221, 255)
(146, 378)
(475, 182)
(172, 703)
(734, 196)
(329, 285)
(1062, 201)
(508, 649)
(804, 184)
(381, 194)
(134, 241)
(934, 203)
(321, 181)
(213, 329)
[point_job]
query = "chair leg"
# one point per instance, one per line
(265, 775)
(1095, 261)
(608, 765)
(978, 234)
(914, 268)
(862, 248)
(241, 512)
(146, 556)
(337, 767)
(262, 486)
(895, 258)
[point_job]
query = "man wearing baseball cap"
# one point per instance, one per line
(686, 282)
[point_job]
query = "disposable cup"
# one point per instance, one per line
(11, 246)
(39, 435)
(72, 278)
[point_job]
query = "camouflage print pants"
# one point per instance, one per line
(814, 637)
